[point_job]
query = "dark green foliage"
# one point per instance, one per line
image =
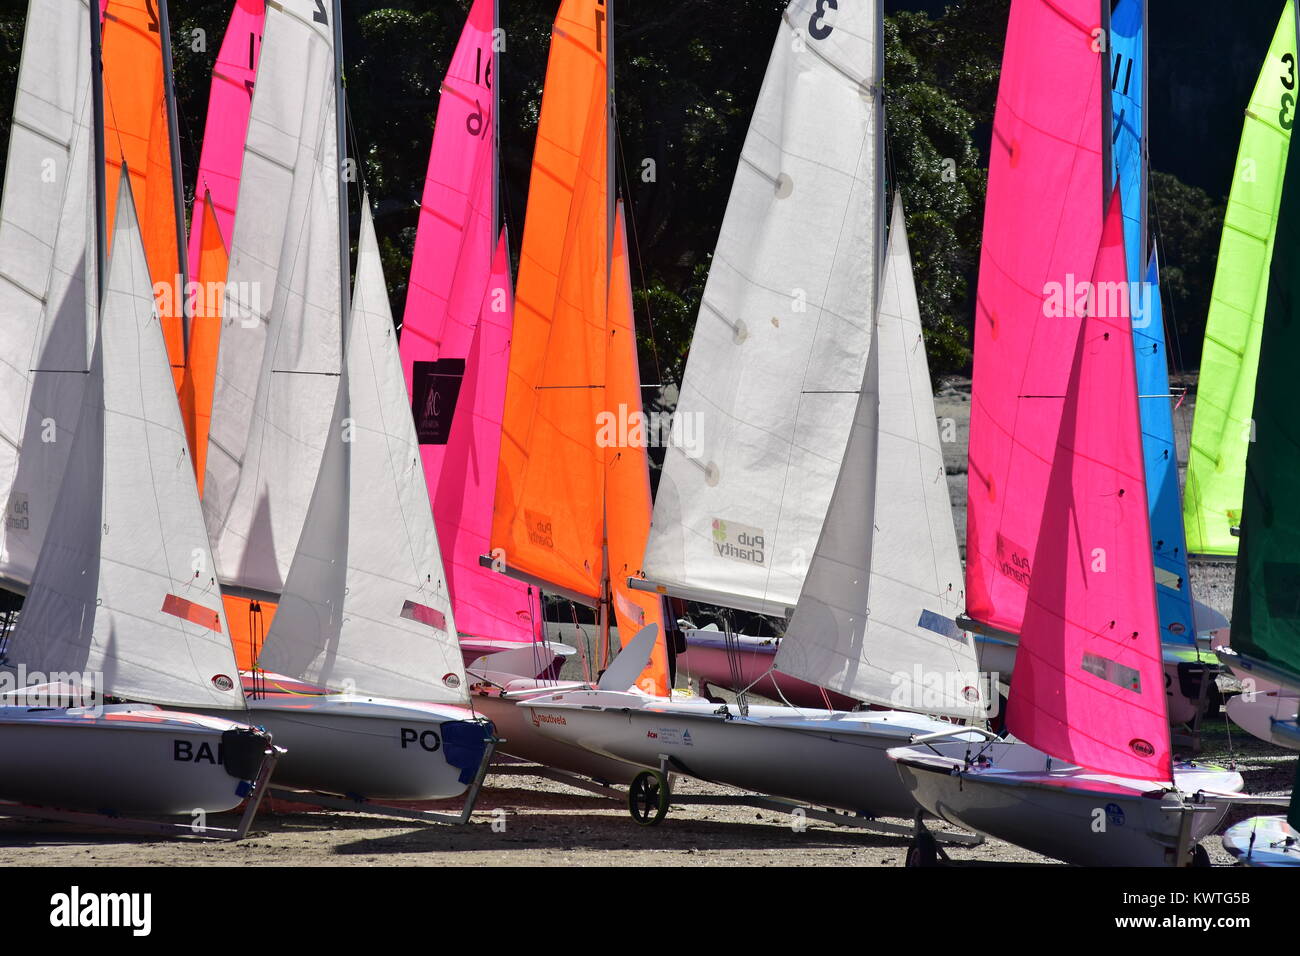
(688, 76)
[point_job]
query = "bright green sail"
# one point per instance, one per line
(1222, 430)
(1266, 602)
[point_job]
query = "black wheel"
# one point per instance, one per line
(924, 851)
(647, 798)
(1200, 856)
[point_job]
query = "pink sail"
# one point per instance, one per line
(484, 602)
(229, 103)
(455, 343)
(1042, 223)
(1089, 684)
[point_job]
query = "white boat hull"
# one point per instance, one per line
(833, 759)
(1066, 813)
(132, 760)
(373, 748)
(1263, 841)
(1261, 714)
(523, 737)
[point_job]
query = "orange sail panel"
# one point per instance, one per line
(547, 517)
(136, 133)
(205, 333)
(249, 621)
(623, 434)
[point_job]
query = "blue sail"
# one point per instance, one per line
(1126, 62)
(1173, 588)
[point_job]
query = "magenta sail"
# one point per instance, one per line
(486, 603)
(1042, 224)
(229, 104)
(1089, 685)
(455, 343)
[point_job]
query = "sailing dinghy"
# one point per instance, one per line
(365, 609)
(455, 348)
(1266, 638)
(363, 634)
(112, 557)
(120, 595)
(833, 759)
(1090, 779)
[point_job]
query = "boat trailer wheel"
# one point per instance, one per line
(647, 798)
(924, 851)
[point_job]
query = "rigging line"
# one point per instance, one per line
(1170, 323)
(630, 216)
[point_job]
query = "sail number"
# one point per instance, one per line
(1286, 117)
(476, 123)
(818, 29)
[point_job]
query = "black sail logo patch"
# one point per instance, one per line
(1141, 747)
(435, 389)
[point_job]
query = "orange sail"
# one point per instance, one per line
(624, 435)
(136, 133)
(205, 333)
(547, 518)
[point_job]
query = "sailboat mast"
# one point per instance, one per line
(879, 79)
(178, 194)
(611, 191)
(345, 233)
(101, 186)
(496, 120)
(1107, 113)
(1143, 220)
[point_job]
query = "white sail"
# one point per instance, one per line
(366, 606)
(47, 275)
(877, 617)
(781, 342)
(280, 355)
(124, 585)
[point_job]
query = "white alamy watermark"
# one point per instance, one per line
(929, 691)
(1108, 300)
(74, 909)
(241, 301)
(55, 689)
(628, 428)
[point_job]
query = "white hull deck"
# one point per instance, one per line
(125, 760)
(831, 759)
(370, 747)
(1065, 812)
(1263, 841)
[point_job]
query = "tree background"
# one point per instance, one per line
(688, 73)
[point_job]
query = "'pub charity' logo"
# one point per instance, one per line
(738, 542)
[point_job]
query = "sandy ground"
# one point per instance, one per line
(532, 821)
